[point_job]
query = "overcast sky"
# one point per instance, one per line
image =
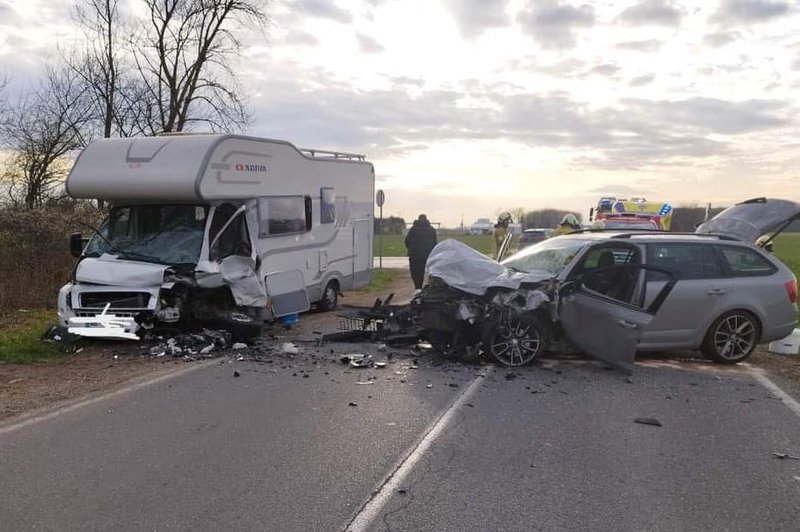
(469, 106)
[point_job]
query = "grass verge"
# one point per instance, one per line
(381, 280)
(20, 337)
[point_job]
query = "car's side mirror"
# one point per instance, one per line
(76, 245)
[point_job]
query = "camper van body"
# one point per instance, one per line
(218, 226)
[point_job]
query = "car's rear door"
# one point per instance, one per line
(694, 301)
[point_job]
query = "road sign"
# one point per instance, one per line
(380, 197)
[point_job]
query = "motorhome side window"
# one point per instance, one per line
(327, 205)
(234, 239)
(281, 215)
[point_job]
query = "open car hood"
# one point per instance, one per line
(465, 269)
(749, 220)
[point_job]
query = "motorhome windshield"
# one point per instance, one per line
(165, 234)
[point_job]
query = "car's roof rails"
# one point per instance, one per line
(676, 233)
(612, 230)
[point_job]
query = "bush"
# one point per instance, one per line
(34, 251)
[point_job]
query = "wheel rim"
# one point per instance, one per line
(330, 295)
(516, 343)
(734, 337)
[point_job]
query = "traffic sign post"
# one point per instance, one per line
(380, 198)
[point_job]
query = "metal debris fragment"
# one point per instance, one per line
(647, 421)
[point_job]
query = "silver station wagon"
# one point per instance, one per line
(713, 290)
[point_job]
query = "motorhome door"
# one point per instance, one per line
(362, 250)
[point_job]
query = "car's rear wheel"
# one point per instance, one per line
(516, 342)
(732, 337)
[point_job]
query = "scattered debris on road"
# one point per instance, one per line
(783, 456)
(647, 421)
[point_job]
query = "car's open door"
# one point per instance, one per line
(603, 327)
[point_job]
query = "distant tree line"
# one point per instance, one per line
(545, 218)
(393, 225)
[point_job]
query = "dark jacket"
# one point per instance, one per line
(420, 240)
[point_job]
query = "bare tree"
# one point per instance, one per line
(183, 54)
(98, 64)
(40, 130)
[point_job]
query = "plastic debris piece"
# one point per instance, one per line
(207, 349)
(239, 345)
(360, 361)
(290, 349)
(783, 456)
(353, 403)
(382, 347)
(647, 421)
(429, 386)
(380, 364)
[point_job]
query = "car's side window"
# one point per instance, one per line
(597, 268)
(687, 260)
(744, 262)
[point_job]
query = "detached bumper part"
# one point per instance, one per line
(108, 326)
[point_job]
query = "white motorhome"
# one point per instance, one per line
(217, 228)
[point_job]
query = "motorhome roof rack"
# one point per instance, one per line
(325, 154)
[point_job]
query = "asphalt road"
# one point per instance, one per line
(541, 448)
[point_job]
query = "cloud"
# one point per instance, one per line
(650, 45)
(392, 122)
(749, 11)
(606, 69)
(475, 16)
(711, 115)
(368, 45)
(640, 81)
(721, 38)
(615, 189)
(653, 13)
(300, 38)
(323, 9)
(553, 23)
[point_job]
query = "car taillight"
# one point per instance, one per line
(791, 290)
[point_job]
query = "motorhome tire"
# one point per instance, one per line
(330, 296)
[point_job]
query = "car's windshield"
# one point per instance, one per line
(166, 234)
(549, 256)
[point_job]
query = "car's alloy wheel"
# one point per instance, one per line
(732, 337)
(516, 342)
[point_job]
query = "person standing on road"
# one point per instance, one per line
(420, 240)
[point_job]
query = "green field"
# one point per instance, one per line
(787, 248)
(393, 244)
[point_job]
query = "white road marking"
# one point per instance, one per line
(777, 391)
(50, 413)
(373, 507)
